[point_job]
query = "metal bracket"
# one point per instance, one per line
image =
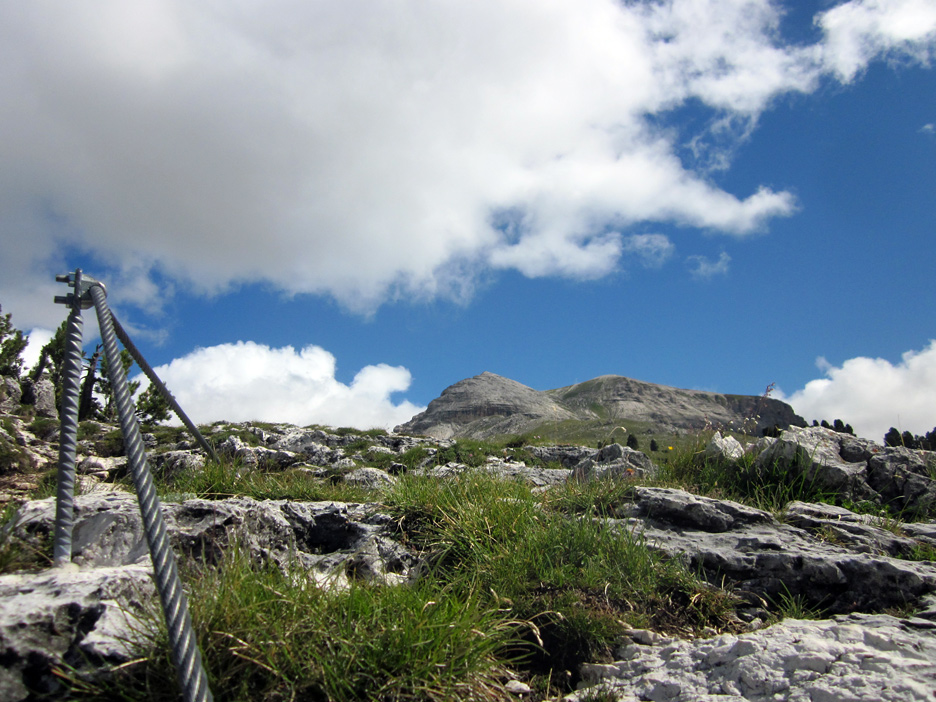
(81, 298)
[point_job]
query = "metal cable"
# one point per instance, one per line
(184, 648)
(163, 390)
(68, 435)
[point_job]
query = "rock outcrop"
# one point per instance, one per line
(858, 568)
(853, 657)
(87, 616)
(489, 405)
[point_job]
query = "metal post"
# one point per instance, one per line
(185, 653)
(68, 417)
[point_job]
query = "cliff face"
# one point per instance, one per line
(488, 404)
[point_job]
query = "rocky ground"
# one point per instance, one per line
(870, 573)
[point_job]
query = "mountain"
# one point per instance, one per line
(489, 405)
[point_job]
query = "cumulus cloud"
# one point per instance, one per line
(246, 381)
(371, 153)
(873, 394)
(703, 268)
(856, 32)
(35, 340)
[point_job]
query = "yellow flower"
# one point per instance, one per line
(669, 448)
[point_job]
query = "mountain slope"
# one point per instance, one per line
(489, 405)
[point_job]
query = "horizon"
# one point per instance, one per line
(330, 216)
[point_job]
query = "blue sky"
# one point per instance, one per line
(330, 212)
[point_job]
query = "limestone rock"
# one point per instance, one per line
(492, 403)
(749, 550)
(853, 657)
(320, 536)
(539, 477)
(84, 619)
(725, 448)
(11, 394)
(856, 469)
(41, 394)
(614, 461)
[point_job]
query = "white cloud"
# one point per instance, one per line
(704, 268)
(36, 339)
(857, 32)
(653, 250)
(366, 154)
(928, 128)
(246, 381)
(873, 394)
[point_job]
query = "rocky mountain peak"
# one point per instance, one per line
(498, 404)
(488, 405)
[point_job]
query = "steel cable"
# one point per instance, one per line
(184, 648)
(163, 390)
(68, 436)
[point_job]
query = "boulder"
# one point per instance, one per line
(853, 657)
(856, 470)
(11, 394)
(725, 448)
(84, 619)
(859, 532)
(902, 477)
(614, 461)
(41, 394)
(566, 456)
(321, 537)
(512, 470)
(761, 558)
(367, 477)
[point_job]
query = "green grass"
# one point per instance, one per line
(575, 577)
(218, 481)
(269, 635)
(16, 554)
(768, 487)
(514, 583)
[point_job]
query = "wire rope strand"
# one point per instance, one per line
(163, 390)
(68, 439)
(184, 648)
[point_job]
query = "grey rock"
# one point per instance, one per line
(749, 550)
(901, 477)
(853, 657)
(171, 463)
(856, 469)
(511, 470)
(11, 394)
(41, 394)
(614, 461)
(859, 532)
(725, 448)
(367, 477)
(566, 456)
(257, 456)
(322, 537)
(490, 404)
(88, 620)
(824, 458)
(108, 465)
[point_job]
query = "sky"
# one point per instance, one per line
(328, 212)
